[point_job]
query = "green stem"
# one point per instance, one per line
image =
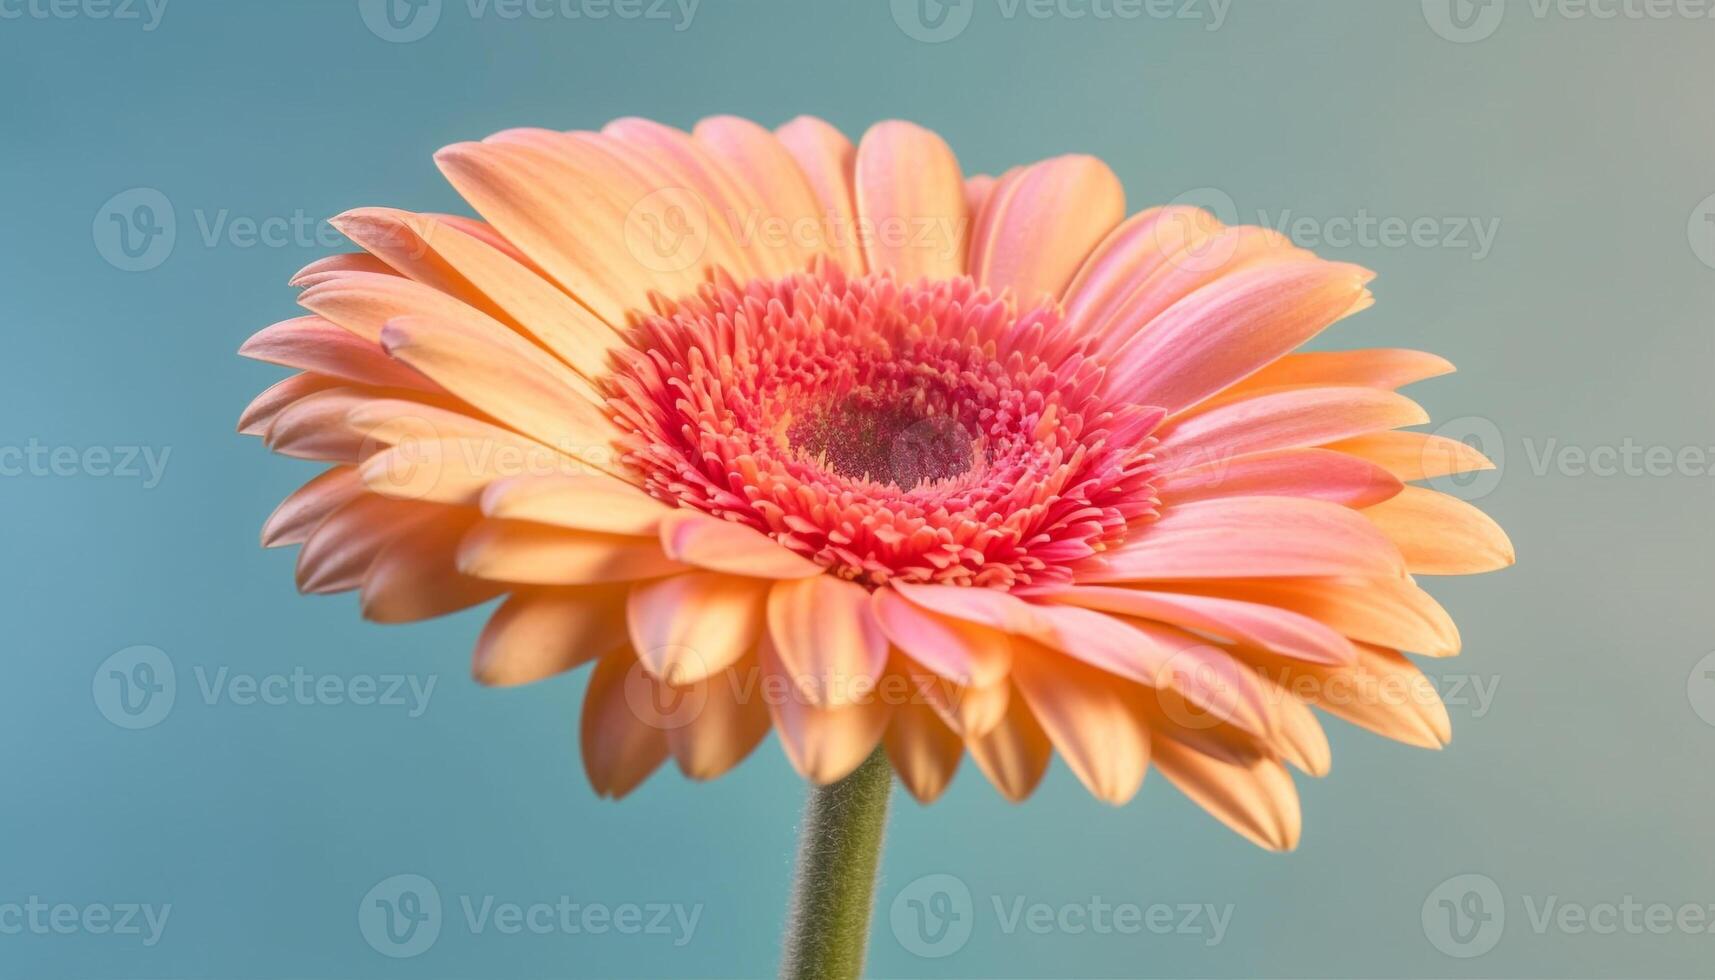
(839, 850)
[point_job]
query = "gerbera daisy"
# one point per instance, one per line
(786, 434)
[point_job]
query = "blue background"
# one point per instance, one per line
(1587, 779)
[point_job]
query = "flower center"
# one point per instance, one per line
(928, 433)
(861, 438)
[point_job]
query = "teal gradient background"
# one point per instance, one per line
(1585, 143)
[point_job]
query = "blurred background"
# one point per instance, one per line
(1534, 180)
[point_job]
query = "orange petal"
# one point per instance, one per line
(1190, 676)
(1383, 692)
(1257, 800)
(449, 471)
(1014, 754)
(1086, 715)
(508, 378)
(719, 545)
(535, 554)
(1299, 736)
(310, 343)
(990, 607)
(584, 501)
(1442, 535)
(1382, 367)
(705, 188)
(441, 254)
(334, 266)
(363, 302)
(1411, 456)
(823, 743)
(314, 426)
(1204, 253)
(970, 711)
(729, 721)
(259, 415)
(414, 578)
(567, 208)
(924, 751)
(826, 638)
(691, 626)
(340, 549)
(1388, 611)
(542, 632)
(620, 749)
(966, 653)
(298, 514)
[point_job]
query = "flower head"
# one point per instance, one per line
(786, 434)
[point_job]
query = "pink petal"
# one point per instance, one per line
(1315, 473)
(1288, 633)
(1041, 222)
(1242, 537)
(911, 196)
(1231, 328)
